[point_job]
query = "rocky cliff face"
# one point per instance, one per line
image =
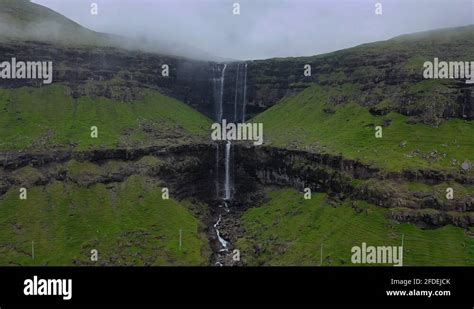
(120, 74)
(342, 179)
(385, 76)
(116, 73)
(186, 170)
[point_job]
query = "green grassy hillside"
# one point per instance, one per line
(308, 121)
(48, 117)
(289, 230)
(21, 19)
(127, 223)
(389, 72)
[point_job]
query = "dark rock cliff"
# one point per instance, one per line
(116, 73)
(187, 170)
(385, 76)
(342, 178)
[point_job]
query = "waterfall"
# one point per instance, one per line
(215, 81)
(236, 92)
(227, 170)
(240, 95)
(244, 94)
(221, 93)
(223, 242)
(218, 84)
(228, 147)
(217, 171)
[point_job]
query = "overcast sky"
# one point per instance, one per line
(266, 28)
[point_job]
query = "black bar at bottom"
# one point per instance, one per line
(240, 285)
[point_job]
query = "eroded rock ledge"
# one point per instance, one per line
(186, 169)
(342, 178)
(189, 171)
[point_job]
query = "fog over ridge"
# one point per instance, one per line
(264, 28)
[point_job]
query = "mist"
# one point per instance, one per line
(264, 28)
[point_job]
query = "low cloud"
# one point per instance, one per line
(264, 28)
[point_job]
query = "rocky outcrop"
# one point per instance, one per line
(432, 218)
(116, 73)
(187, 170)
(298, 164)
(342, 178)
(384, 76)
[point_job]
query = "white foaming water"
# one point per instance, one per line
(221, 93)
(244, 95)
(223, 242)
(219, 108)
(227, 170)
(236, 92)
(217, 171)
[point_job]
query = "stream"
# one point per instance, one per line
(222, 248)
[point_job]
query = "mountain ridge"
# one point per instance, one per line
(25, 20)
